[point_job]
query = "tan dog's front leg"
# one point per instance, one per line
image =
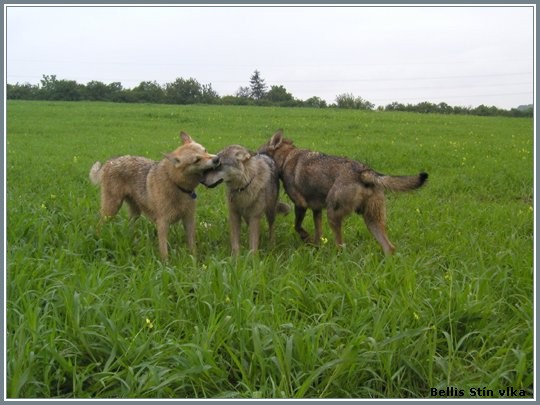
(189, 228)
(234, 223)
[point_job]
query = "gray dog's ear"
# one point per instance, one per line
(242, 155)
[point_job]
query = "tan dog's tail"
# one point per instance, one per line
(95, 173)
(395, 183)
(283, 208)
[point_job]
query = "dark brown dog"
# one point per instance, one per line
(163, 190)
(317, 181)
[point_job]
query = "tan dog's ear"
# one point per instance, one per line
(185, 138)
(277, 138)
(173, 159)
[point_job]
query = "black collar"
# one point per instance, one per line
(188, 192)
(240, 189)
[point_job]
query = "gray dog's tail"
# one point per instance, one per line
(95, 173)
(395, 183)
(283, 208)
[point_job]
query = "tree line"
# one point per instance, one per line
(257, 92)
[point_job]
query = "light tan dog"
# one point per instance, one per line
(252, 190)
(163, 190)
(317, 181)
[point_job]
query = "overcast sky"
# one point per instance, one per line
(459, 55)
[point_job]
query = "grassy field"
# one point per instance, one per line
(100, 316)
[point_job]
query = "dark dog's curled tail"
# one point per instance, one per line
(95, 173)
(283, 208)
(395, 183)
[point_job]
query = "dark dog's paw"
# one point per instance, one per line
(305, 236)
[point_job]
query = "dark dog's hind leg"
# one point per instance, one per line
(375, 218)
(335, 218)
(317, 219)
(300, 213)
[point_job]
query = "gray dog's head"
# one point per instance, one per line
(231, 166)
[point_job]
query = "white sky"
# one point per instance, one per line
(460, 55)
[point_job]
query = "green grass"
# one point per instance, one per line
(100, 316)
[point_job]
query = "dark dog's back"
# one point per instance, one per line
(317, 170)
(317, 181)
(313, 174)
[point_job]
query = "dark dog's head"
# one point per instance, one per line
(231, 166)
(276, 142)
(278, 148)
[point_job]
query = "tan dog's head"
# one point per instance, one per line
(231, 168)
(191, 158)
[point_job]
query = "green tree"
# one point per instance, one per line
(347, 100)
(315, 102)
(97, 91)
(426, 107)
(243, 92)
(24, 91)
(116, 92)
(148, 92)
(257, 86)
(54, 89)
(279, 95)
(484, 110)
(395, 106)
(208, 94)
(445, 108)
(183, 91)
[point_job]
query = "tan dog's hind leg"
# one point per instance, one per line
(110, 205)
(103, 220)
(163, 230)
(134, 210)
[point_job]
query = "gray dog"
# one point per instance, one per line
(252, 190)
